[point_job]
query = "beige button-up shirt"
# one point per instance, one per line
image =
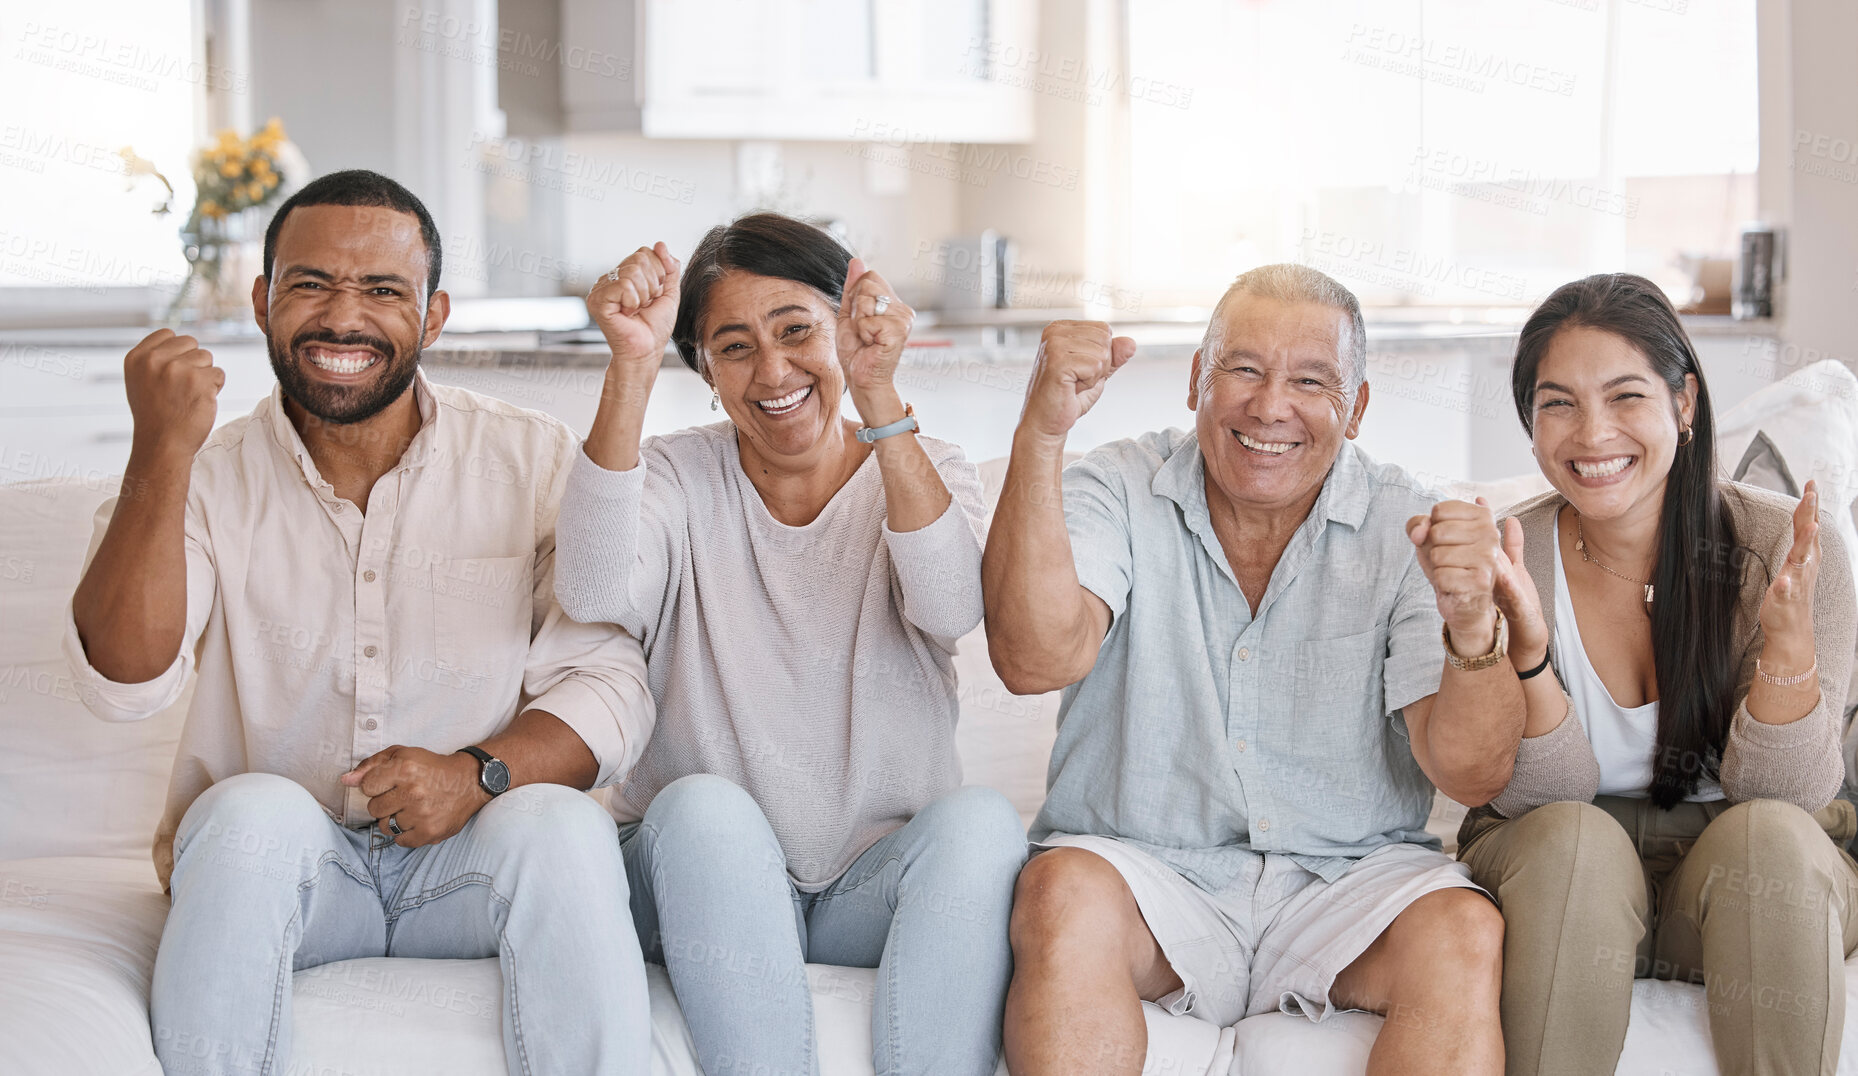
(323, 635)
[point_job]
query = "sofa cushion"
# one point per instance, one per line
(69, 783)
(78, 938)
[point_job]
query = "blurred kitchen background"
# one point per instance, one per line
(1002, 162)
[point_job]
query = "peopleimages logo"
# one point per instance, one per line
(1450, 63)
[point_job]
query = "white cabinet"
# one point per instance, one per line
(816, 70)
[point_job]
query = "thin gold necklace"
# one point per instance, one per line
(1580, 546)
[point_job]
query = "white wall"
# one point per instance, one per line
(1811, 129)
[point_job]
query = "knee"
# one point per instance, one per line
(1782, 833)
(547, 816)
(1763, 851)
(977, 831)
(1451, 931)
(1066, 896)
(1576, 843)
(1566, 832)
(549, 827)
(703, 817)
(252, 812)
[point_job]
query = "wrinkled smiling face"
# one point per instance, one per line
(346, 313)
(768, 349)
(1271, 400)
(1606, 425)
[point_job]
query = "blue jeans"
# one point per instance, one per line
(927, 906)
(265, 884)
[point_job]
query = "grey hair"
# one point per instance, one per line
(1288, 282)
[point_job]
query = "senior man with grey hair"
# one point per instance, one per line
(1255, 714)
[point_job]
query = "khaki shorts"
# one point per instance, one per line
(1276, 938)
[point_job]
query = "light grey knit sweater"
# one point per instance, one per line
(1800, 762)
(813, 666)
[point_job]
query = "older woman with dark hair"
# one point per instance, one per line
(798, 580)
(1682, 645)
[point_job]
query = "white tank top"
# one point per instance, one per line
(1624, 738)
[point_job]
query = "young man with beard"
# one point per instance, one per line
(392, 715)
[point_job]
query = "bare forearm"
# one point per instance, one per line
(1475, 727)
(131, 605)
(619, 423)
(539, 748)
(1476, 722)
(1038, 622)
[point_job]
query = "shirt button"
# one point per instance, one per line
(1264, 824)
(368, 575)
(369, 651)
(370, 724)
(1245, 653)
(1240, 745)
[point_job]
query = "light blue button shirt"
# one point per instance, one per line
(1205, 735)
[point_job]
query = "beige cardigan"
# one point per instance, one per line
(1799, 762)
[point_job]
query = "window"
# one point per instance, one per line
(1440, 152)
(94, 78)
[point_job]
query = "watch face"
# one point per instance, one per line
(495, 777)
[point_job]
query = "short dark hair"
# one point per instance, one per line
(766, 244)
(360, 187)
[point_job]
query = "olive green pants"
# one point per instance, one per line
(1758, 902)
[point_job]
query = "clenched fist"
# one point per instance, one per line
(1074, 363)
(173, 390)
(1473, 566)
(635, 306)
(872, 328)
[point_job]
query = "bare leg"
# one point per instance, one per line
(1435, 974)
(1083, 962)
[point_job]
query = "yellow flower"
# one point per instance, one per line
(211, 208)
(230, 169)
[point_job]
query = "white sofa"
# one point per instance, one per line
(80, 914)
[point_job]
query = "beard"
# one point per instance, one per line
(342, 404)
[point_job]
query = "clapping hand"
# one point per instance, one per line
(1787, 608)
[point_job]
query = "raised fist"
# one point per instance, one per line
(1473, 566)
(635, 305)
(1074, 363)
(173, 389)
(872, 329)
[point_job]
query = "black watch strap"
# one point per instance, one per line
(1535, 671)
(485, 761)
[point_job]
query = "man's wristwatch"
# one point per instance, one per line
(492, 775)
(1499, 648)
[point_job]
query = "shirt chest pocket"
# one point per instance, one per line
(481, 610)
(1338, 684)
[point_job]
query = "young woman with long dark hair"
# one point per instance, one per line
(1683, 644)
